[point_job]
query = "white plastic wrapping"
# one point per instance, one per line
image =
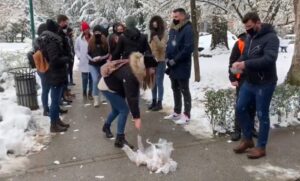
(157, 157)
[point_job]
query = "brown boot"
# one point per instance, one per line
(243, 146)
(256, 153)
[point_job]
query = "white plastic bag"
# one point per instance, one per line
(157, 157)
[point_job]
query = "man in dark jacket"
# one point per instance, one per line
(259, 64)
(63, 22)
(237, 79)
(179, 61)
(131, 41)
(51, 47)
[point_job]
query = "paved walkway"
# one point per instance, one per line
(84, 154)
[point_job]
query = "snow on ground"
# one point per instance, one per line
(268, 172)
(214, 75)
(22, 131)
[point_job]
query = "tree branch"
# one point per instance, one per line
(214, 4)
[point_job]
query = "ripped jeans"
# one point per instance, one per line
(261, 96)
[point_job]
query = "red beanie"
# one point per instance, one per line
(84, 26)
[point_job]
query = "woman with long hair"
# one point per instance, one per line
(98, 54)
(121, 88)
(158, 44)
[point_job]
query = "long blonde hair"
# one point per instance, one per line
(143, 75)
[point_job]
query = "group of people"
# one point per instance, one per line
(117, 65)
(53, 56)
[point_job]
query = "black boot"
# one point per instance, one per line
(62, 111)
(84, 94)
(90, 96)
(56, 128)
(121, 141)
(106, 130)
(62, 124)
(236, 135)
(46, 113)
(152, 105)
(158, 106)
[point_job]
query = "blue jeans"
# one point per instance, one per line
(261, 96)
(86, 81)
(95, 72)
(45, 91)
(56, 92)
(119, 108)
(159, 82)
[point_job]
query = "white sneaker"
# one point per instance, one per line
(183, 120)
(173, 116)
(96, 101)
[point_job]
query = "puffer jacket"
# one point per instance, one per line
(52, 48)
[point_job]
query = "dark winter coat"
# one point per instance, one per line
(112, 41)
(52, 49)
(260, 56)
(179, 48)
(66, 45)
(131, 41)
(235, 56)
(99, 51)
(124, 83)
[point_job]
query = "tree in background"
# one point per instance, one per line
(293, 77)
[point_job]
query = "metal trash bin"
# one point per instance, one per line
(26, 87)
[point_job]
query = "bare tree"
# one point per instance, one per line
(196, 40)
(293, 77)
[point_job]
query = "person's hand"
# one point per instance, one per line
(138, 124)
(235, 83)
(239, 65)
(171, 62)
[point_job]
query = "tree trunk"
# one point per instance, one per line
(219, 33)
(293, 77)
(196, 41)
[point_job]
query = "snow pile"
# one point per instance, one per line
(267, 172)
(157, 157)
(22, 131)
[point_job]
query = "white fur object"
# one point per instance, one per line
(157, 157)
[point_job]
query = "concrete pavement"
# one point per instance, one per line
(84, 154)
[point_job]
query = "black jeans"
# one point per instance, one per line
(251, 110)
(70, 72)
(181, 88)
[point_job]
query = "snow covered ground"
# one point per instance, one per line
(268, 172)
(214, 75)
(22, 131)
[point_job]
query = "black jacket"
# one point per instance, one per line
(125, 84)
(260, 56)
(234, 57)
(52, 49)
(66, 46)
(131, 41)
(99, 51)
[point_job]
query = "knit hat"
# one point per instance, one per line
(52, 26)
(84, 26)
(131, 22)
(100, 29)
(41, 28)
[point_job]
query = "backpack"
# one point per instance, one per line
(40, 61)
(110, 66)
